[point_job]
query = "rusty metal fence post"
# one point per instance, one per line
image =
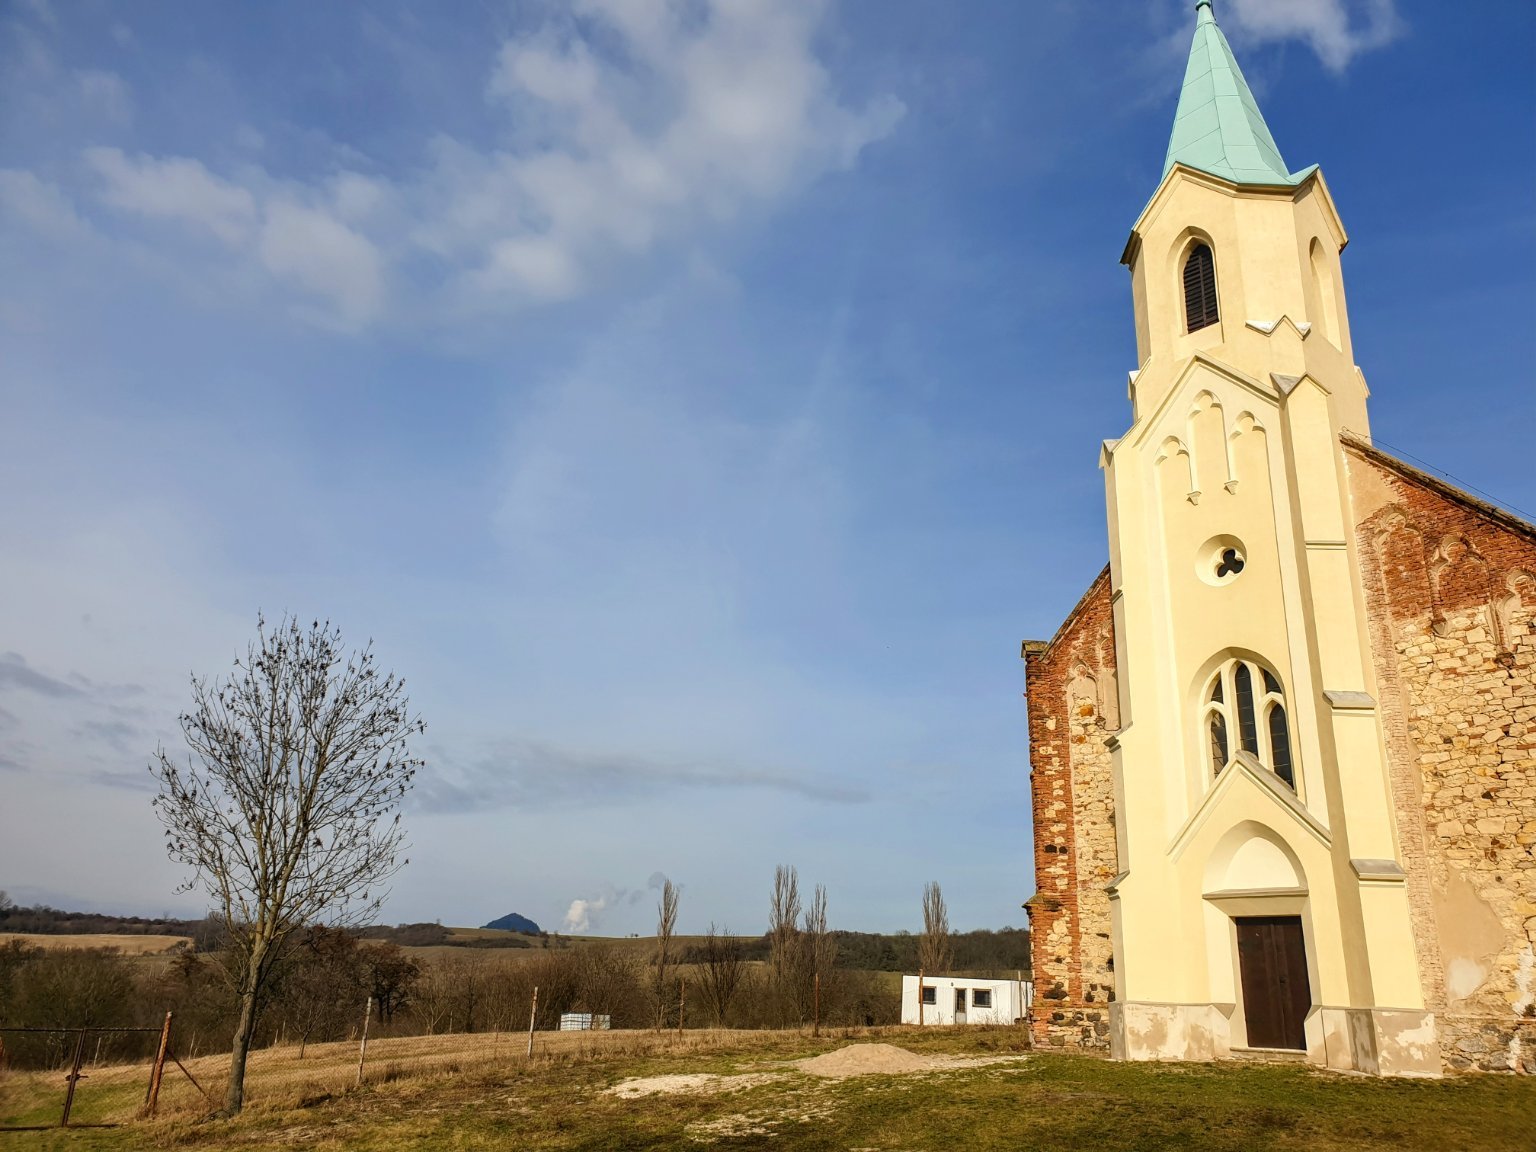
(157, 1071)
(73, 1060)
(73, 1077)
(362, 1050)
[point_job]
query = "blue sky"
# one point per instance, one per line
(696, 402)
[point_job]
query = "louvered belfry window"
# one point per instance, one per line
(1200, 288)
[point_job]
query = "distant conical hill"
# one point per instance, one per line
(512, 922)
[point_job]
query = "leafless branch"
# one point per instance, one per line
(286, 809)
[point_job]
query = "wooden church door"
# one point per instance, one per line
(1272, 959)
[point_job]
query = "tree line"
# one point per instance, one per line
(320, 991)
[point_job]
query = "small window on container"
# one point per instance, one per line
(981, 997)
(930, 994)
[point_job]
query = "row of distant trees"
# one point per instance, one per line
(803, 978)
(320, 991)
(207, 933)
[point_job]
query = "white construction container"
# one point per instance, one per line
(964, 1000)
(584, 1022)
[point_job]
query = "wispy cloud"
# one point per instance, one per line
(177, 189)
(15, 672)
(139, 782)
(41, 206)
(622, 129)
(1337, 30)
(119, 735)
(105, 93)
(530, 775)
(654, 121)
(299, 236)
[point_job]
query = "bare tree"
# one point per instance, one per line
(666, 921)
(286, 809)
(784, 958)
(608, 982)
(933, 946)
(391, 976)
(820, 949)
(5, 901)
(722, 971)
(436, 997)
(323, 987)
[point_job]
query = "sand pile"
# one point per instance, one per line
(879, 1060)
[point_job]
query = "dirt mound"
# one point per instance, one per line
(874, 1060)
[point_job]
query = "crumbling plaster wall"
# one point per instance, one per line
(1451, 592)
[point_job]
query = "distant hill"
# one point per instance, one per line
(512, 922)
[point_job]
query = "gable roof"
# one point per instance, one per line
(1504, 518)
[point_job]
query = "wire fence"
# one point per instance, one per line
(100, 1077)
(78, 1077)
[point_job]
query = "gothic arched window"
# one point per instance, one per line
(1200, 288)
(1243, 710)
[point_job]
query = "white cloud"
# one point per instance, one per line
(1336, 30)
(43, 207)
(681, 116)
(579, 917)
(316, 251)
(630, 127)
(309, 246)
(176, 189)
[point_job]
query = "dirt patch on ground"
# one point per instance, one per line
(853, 1060)
(694, 1083)
(887, 1060)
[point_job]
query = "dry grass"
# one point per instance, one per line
(126, 943)
(744, 1090)
(278, 1079)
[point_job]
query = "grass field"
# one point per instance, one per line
(640, 946)
(739, 1090)
(127, 943)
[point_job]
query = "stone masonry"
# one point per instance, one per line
(1451, 591)
(1073, 709)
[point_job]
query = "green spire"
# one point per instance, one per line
(1218, 127)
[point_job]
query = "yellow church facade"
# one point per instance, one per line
(1284, 750)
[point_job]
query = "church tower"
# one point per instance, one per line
(1259, 899)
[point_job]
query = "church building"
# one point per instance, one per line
(1283, 751)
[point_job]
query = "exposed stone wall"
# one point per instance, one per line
(1487, 1044)
(1451, 591)
(1073, 708)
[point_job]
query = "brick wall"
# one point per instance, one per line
(1073, 707)
(1451, 595)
